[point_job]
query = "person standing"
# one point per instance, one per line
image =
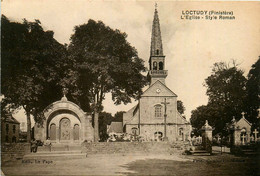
(33, 145)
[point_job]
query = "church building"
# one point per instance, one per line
(155, 117)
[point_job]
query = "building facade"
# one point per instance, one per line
(65, 122)
(10, 129)
(156, 116)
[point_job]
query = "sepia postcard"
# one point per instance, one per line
(130, 87)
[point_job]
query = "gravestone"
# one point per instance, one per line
(207, 137)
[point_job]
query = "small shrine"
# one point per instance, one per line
(241, 131)
(65, 122)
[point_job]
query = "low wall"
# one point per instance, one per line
(129, 147)
(13, 151)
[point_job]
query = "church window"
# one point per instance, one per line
(180, 131)
(160, 65)
(157, 52)
(158, 111)
(154, 65)
(134, 131)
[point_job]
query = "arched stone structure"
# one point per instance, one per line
(65, 122)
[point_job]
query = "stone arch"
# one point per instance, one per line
(56, 112)
(64, 106)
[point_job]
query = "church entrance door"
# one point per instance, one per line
(53, 132)
(65, 130)
(158, 136)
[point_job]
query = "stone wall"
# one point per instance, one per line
(14, 151)
(129, 148)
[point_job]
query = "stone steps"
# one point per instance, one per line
(200, 153)
(48, 155)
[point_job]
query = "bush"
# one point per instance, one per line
(187, 152)
(236, 150)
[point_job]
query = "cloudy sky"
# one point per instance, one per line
(191, 46)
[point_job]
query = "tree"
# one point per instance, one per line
(32, 61)
(253, 96)
(105, 119)
(180, 107)
(226, 89)
(119, 116)
(109, 63)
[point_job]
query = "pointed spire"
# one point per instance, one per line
(156, 41)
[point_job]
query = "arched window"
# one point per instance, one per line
(157, 52)
(160, 65)
(158, 111)
(134, 131)
(154, 65)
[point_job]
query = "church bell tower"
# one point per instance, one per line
(157, 59)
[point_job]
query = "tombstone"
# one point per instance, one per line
(207, 137)
(243, 139)
(240, 131)
(255, 133)
(252, 139)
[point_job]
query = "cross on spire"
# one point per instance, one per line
(64, 92)
(243, 115)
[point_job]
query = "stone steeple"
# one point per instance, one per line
(156, 39)
(157, 59)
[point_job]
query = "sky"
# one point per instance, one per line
(191, 47)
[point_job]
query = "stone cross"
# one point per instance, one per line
(165, 115)
(243, 139)
(255, 133)
(65, 91)
(243, 115)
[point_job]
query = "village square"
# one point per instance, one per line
(93, 106)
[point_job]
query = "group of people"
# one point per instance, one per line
(34, 144)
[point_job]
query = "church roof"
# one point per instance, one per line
(164, 92)
(116, 127)
(244, 119)
(10, 119)
(156, 39)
